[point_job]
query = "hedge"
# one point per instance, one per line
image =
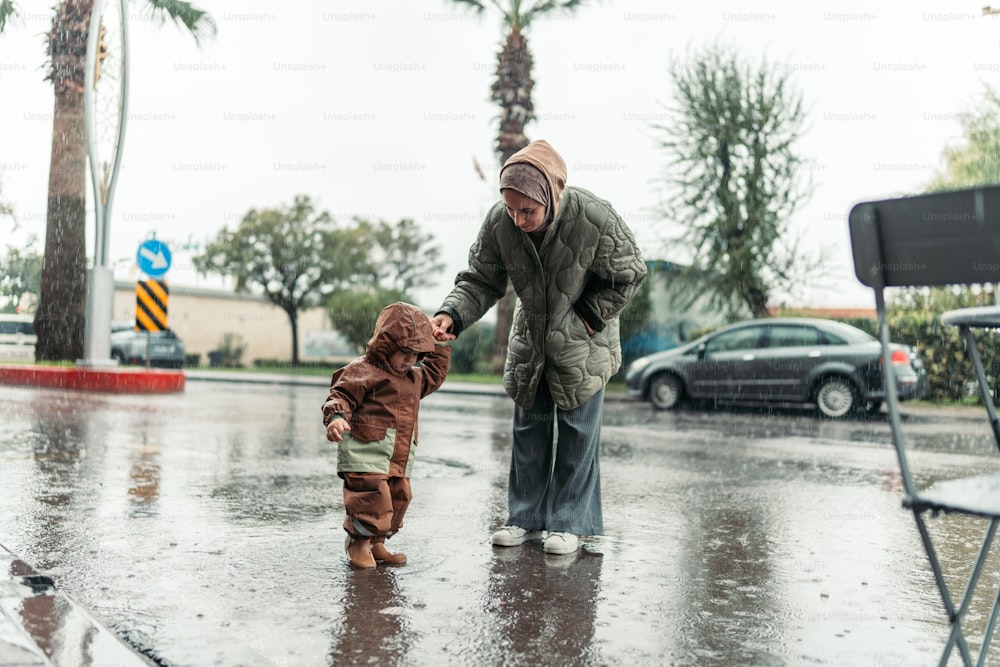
(950, 375)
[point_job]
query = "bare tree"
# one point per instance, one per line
(735, 177)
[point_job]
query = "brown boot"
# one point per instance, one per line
(359, 553)
(383, 555)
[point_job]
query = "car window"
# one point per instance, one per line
(834, 339)
(838, 333)
(13, 327)
(794, 335)
(746, 338)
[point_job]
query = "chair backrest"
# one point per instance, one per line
(945, 238)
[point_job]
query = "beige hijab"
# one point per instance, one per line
(536, 171)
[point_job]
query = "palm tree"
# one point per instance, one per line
(60, 318)
(512, 92)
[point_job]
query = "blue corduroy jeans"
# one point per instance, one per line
(556, 486)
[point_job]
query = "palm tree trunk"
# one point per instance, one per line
(60, 318)
(512, 91)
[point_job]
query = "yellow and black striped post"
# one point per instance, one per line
(151, 305)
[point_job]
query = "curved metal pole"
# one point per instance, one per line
(93, 36)
(100, 281)
(119, 134)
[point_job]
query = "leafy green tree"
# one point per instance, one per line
(470, 352)
(60, 319)
(735, 178)
(296, 256)
(20, 273)
(400, 256)
(8, 11)
(937, 300)
(976, 159)
(20, 268)
(399, 259)
(5, 209)
(353, 311)
(511, 90)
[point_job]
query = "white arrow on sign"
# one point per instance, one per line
(158, 258)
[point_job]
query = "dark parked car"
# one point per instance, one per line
(17, 337)
(128, 346)
(830, 364)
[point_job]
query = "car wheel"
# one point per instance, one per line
(118, 356)
(665, 391)
(836, 398)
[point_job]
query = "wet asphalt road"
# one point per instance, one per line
(206, 528)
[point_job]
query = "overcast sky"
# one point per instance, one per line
(378, 109)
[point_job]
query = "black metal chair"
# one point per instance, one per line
(948, 238)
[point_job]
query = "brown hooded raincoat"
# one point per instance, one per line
(380, 404)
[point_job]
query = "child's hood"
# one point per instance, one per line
(400, 326)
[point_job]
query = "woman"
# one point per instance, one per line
(574, 266)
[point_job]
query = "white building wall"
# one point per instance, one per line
(201, 317)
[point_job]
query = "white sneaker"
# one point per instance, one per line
(511, 536)
(561, 543)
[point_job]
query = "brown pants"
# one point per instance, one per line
(375, 504)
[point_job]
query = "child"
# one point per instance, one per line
(372, 412)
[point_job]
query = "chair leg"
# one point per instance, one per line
(990, 627)
(970, 588)
(984, 388)
(955, 617)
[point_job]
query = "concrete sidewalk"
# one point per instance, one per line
(253, 377)
(40, 626)
(449, 387)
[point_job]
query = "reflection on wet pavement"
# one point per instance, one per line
(372, 623)
(540, 607)
(205, 527)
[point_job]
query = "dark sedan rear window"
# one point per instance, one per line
(846, 334)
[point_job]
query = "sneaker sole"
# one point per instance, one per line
(561, 550)
(505, 542)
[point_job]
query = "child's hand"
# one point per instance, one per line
(335, 431)
(443, 323)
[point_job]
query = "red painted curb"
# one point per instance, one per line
(112, 380)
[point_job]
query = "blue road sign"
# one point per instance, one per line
(153, 258)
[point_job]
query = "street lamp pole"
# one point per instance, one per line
(104, 177)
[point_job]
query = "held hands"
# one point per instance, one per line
(442, 324)
(336, 428)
